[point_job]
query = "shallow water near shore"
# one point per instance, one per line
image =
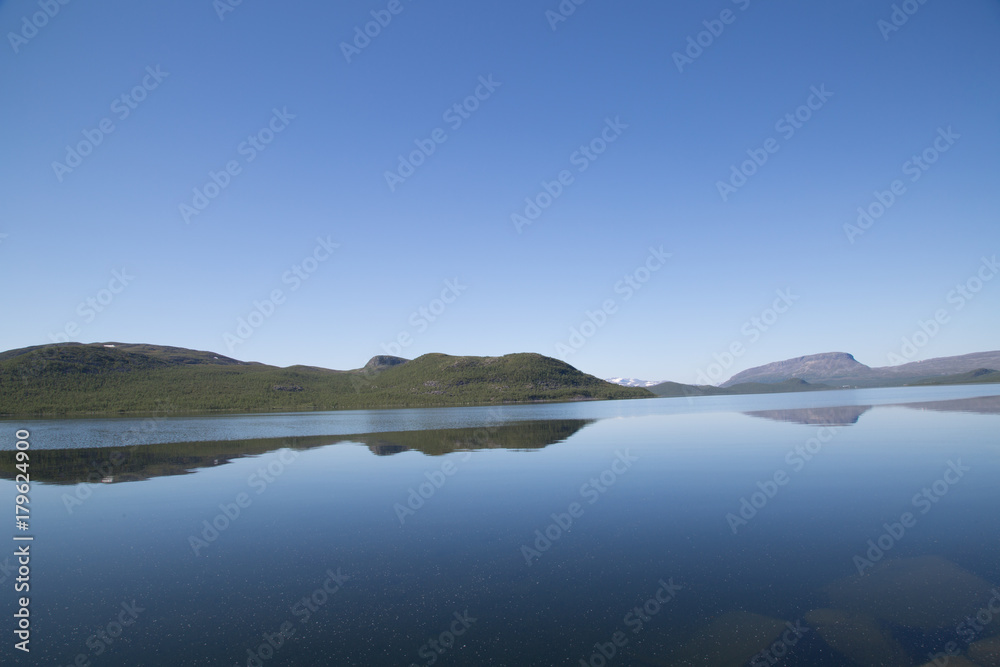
(830, 528)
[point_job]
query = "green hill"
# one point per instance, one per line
(73, 378)
(673, 389)
(789, 385)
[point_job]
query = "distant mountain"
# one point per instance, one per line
(841, 369)
(812, 368)
(942, 366)
(115, 378)
(632, 382)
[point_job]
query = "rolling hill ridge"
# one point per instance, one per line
(116, 378)
(65, 379)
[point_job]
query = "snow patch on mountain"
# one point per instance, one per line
(632, 382)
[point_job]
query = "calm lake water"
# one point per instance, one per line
(830, 528)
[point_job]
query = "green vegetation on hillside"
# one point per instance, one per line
(72, 379)
(674, 389)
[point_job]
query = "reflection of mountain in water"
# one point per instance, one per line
(842, 415)
(141, 462)
(846, 415)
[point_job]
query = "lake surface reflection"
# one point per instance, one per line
(778, 530)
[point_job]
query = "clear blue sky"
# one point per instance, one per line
(607, 66)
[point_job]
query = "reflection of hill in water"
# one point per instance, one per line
(386, 449)
(521, 436)
(985, 405)
(842, 415)
(141, 462)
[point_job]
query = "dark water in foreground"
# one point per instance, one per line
(754, 534)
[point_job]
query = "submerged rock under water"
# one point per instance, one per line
(953, 661)
(860, 637)
(728, 641)
(926, 593)
(986, 652)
